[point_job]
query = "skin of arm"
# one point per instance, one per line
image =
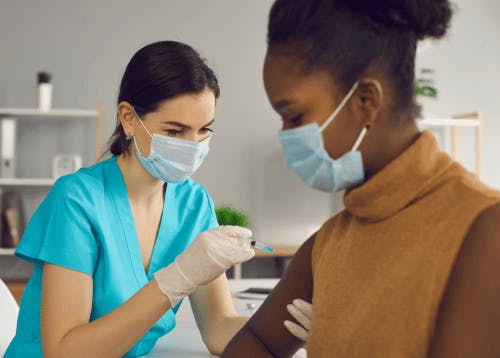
(265, 335)
(468, 323)
(65, 311)
(215, 314)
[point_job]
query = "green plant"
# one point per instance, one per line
(226, 215)
(424, 87)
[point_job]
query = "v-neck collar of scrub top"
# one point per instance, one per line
(122, 203)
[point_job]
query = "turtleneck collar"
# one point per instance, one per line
(400, 182)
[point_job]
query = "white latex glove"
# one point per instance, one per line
(300, 310)
(211, 254)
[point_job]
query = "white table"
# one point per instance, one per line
(185, 339)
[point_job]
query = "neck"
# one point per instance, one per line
(389, 141)
(141, 186)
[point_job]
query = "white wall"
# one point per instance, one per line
(468, 78)
(87, 44)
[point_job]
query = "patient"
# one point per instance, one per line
(406, 269)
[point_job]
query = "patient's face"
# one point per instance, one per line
(301, 98)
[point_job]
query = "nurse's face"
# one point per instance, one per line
(187, 116)
(301, 99)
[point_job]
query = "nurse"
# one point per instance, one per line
(116, 246)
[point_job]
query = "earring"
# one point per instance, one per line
(128, 138)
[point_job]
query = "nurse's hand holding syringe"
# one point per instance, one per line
(211, 254)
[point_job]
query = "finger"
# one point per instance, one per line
(236, 231)
(303, 306)
(296, 330)
(299, 316)
(246, 255)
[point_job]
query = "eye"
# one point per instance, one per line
(206, 130)
(173, 132)
(295, 120)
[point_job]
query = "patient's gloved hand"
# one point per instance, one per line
(300, 310)
(211, 254)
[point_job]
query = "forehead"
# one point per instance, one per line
(188, 108)
(285, 80)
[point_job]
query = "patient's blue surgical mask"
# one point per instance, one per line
(172, 160)
(305, 153)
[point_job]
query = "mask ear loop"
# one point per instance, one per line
(361, 136)
(339, 108)
(142, 124)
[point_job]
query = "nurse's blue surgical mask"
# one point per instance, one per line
(305, 153)
(172, 160)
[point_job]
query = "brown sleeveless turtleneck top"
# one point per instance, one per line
(381, 266)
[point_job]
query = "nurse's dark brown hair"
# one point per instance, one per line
(158, 72)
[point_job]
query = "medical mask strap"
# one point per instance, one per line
(136, 147)
(339, 108)
(142, 124)
(360, 138)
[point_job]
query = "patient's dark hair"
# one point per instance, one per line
(157, 72)
(347, 37)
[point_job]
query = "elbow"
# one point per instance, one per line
(214, 346)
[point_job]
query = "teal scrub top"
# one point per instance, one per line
(85, 224)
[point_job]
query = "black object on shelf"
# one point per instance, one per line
(13, 218)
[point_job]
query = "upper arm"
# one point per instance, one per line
(265, 333)
(66, 303)
(468, 323)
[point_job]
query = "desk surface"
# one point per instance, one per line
(185, 340)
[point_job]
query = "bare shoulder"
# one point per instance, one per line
(468, 322)
(483, 241)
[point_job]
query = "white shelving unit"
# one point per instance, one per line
(6, 252)
(34, 112)
(62, 114)
(449, 122)
(26, 182)
(471, 120)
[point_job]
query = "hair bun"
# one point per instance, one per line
(426, 18)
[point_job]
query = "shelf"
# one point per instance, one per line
(35, 112)
(42, 182)
(7, 252)
(449, 122)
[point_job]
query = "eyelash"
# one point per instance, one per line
(174, 132)
(295, 120)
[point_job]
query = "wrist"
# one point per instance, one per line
(172, 282)
(159, 294)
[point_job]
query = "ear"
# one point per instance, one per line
(371, 96)
(127, 117)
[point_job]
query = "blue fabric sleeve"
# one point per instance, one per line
(213, 223)
(60, 232)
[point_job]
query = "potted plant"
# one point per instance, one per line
(424, 87)
(226, 215)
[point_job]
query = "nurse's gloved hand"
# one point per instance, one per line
(211, 254)
(302, 311)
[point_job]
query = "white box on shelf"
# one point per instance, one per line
(8, 147)
(63, 164)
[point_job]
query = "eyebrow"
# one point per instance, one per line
(185, 126)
